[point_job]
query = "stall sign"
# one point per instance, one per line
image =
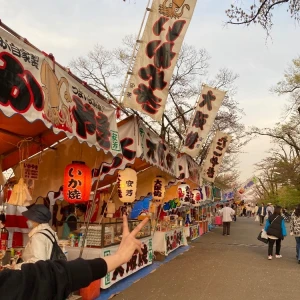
(77, 182)
(208, 104)
(127, 184)
(183, 191)
(137, 262)
(156, 151)
(31, 171)
(194, 232)
(39, 89)
(158, 189)
(137, 141)
(215, 156)
(174, 239)
(188, 168)
(148, 86)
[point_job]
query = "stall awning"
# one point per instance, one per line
(15, 129)
(42, 100)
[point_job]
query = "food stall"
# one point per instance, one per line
(43, 116)
(104, 239)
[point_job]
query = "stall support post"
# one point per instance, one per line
(90, 213)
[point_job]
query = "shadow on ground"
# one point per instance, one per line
(220, 267)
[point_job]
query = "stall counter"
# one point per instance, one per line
(168, 241)
(136, 263)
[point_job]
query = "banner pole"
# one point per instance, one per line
(134, 51)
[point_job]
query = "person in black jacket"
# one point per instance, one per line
(55, 280)
(276, 231)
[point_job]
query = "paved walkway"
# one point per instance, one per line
(220, 267)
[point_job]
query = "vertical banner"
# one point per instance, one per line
(215, 156)
(148, 86)
(207, 107)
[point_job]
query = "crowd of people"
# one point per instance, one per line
(273, 218)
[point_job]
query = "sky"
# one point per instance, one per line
(70, 28)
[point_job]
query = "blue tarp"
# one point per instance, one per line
(139, 206)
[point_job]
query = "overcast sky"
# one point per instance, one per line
(69, 28)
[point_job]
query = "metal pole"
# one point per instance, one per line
(90, 212)
(134, 51)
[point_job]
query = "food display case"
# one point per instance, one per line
(108, 234)
(103, 240)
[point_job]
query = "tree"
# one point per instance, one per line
(290, 85)
(105, 70)
(261, 12)
(286, 134)
(279, 178)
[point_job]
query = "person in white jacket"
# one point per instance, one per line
(39, 246)
(227, 213)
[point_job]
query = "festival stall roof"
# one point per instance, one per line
(43, 102)
(143, 149)
(15, 129)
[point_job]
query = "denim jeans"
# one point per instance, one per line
(298, 247)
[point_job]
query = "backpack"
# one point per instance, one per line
(56, 253)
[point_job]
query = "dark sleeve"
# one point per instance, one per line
(56, 279)
(72, 223)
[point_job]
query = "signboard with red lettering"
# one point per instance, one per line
(215, 156)
(206, 110)
(148, 86)
(31, 84)
(137, 262)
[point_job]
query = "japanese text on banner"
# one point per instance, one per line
(147, 89)
(38, 89)
(206, 110)
(215, 156)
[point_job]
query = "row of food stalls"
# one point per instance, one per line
(64, 144)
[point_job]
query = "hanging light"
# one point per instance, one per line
(127, 182)
(77, 182)
(158, 189)
(184, 193)
(196, 197)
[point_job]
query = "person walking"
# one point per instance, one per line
(244, 211)
(270, 209)
(295, 230)
(227, 213)
(249, 210)
(234, 207)
(276, 231)
(255, 210)
(261, 212)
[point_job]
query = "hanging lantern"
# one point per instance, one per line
(184, 193)
(77, 182)
(158, 189)
(196, 197)
(127, 182)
